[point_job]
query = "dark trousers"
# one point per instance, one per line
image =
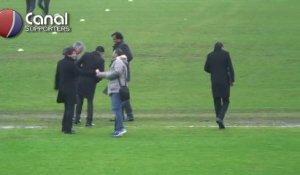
(44, 5)
(128, 109)
(30, 6)
(221, 106)
(68, 115)
(90, 109)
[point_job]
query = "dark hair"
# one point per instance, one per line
(119, 52)
(68, 51)
(218, 46)
(118, 35)
(100, 49)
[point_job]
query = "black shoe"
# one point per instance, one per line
(111, 120)
(129, 120)
(221, 125)
(76, 122)
(90, 124)
(70, 132)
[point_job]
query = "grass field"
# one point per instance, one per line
(175, 131)
(156, 144)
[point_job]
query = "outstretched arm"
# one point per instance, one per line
(112, 74)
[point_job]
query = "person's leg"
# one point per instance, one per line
(63, 123)
(117, 109)
(69, 117)
(225, 105)
(47, 3)
(32, 5)
(90, 108)
(41, 5)
(78, 109)
(128, 109)
(27, 6)
(218, 106)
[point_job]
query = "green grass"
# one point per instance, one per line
(149, 147)
(170, 41)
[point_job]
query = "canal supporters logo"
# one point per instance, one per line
(47, 23)
(11, 23)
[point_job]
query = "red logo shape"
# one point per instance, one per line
(11, 23)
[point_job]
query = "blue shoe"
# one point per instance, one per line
(119, 133)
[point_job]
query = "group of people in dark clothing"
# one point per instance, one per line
(76, 79)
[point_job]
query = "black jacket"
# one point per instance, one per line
(125, 48)
(66, 80)
(90, 61)
(219, 65)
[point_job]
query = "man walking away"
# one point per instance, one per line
(118, 39)
(87, 85)
(219, 65)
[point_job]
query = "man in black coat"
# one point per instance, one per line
(219, 65)
(118, 39)
(65, 82)
(87, 85)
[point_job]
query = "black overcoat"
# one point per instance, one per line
(90, 61)
(125, 48)
(67, 73)
(219, 65)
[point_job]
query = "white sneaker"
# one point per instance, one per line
(119, 133)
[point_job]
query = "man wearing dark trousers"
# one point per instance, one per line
(87, 85)
(44, 5)
(219, 65)
(30, 6)
(118, 39)
(65, 82)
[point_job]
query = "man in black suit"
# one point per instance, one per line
(219, 65)
(118, 39)
(87, 85)
(65, 82)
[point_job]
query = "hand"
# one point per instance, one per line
(99, 74)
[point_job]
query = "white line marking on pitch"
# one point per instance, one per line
(22, 127)
(236, 126)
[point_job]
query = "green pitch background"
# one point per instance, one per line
(170, 41)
